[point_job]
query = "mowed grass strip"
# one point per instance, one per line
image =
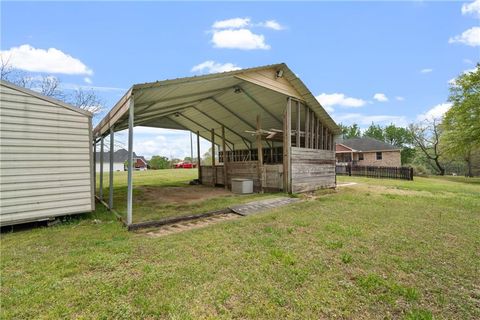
(378, 249)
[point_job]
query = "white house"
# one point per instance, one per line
(119, 158)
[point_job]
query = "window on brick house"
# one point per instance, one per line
(360, 156)
(379, 156)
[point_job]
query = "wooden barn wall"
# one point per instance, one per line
(247, 170)
(46, 159)
(312, 169)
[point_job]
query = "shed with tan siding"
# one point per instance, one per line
(46, 165)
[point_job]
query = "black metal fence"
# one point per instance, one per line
(404, 173)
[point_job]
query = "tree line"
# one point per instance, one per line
(435, 145)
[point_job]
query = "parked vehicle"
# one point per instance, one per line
(185, 165)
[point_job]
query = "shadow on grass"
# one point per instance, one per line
(100, 213)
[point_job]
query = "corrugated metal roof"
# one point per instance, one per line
(232, 99)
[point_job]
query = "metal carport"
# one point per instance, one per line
(225, 106)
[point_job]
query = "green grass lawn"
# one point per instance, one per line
(149, 185)
(379, 249)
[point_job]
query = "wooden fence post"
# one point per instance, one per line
(214, 169)
(225, 159)
(260, 153)
(287, 142)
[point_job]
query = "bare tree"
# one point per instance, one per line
(5, 67)
(45, 84)
(50, 86)
(426, 136)
(86, 100)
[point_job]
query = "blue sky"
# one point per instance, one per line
(387, 62)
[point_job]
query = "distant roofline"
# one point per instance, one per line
(366, 150)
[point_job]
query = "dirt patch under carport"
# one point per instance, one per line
(177, 195)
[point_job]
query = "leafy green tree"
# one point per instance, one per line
(352, 131)
(207, 158)
(461, 124)
(407, 154)
(400, 137)
(159, 162)
(426, 137)
(375, 131)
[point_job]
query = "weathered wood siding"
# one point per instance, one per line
(246, 170)
(267, 78)
(45, 158)
(312, 169)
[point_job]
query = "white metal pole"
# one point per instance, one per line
(130, 162)
(110, 184)
(94, 167)
(199, 167)
(101, 169)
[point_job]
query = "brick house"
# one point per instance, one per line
(367, 152)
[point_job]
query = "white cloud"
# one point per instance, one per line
(211, 66)
(28, 58)
(471, 8)
(426, 70)
(272, 24)
(235, 23)
(87, 80)
(165, 142)
(95, 108)
(470, 37)
(467, 61)
(365, 120)
(74, 86)
(398, 98)
(327, 108)
(236, 33)
(381, 97)
(435, 112)
(242, 23)
(340, 99)
(243, 39)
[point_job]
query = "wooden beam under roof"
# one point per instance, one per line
(260, 105)
(230, 129)
(205, 128)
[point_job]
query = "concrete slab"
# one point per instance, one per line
(261, 205)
